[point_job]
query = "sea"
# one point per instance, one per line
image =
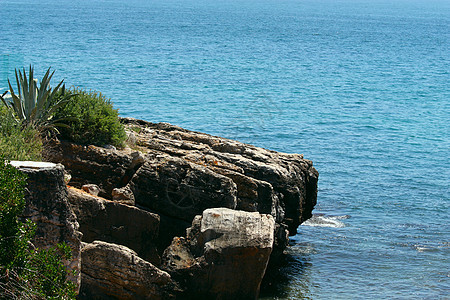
(360, 87)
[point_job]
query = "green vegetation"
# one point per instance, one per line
(26, 273)
(33, 106)
(36, 113)
(47, 275)
(26, 120)
(91, 119)
(17, 142)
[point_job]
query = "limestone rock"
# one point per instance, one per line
(178, 257)
(113, 222)
(284, 184)
(137, 159)
(224, 256)
(111, 271)
(107, 168)
(91, 189)
(123, 195)
(180, 189)
(48, 207)
(178, 173)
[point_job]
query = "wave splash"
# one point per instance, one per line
(322, 220)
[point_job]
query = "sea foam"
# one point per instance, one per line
(321, 220)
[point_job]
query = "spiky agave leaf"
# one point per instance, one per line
(35, 106)
(42, 96)
(17, 103)
(4, 100)
(8, 106)
(31, 93)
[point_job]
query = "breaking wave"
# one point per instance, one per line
(321, 220)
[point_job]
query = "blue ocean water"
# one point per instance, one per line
(359, 87)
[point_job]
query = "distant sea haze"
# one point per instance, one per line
(359, 87)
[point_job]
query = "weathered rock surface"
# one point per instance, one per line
(92, 189)
(178, 188)
(291, 177)
(112, 222)
(123, 195)
(111, 271)
(107, 168)
(224, 256)
(178, 173)
(284, 184)
(48, 207)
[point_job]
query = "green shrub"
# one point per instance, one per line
(26, 273)
(14, 235)
(91, 119)
(47, 275)
(18, 142)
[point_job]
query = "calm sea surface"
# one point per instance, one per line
(360, 87)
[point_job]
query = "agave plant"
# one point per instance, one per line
(35, 106)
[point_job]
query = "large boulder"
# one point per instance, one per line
(48, 207)
(111, 271)
(112, 222)
(224, 255)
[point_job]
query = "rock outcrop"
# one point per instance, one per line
(284, 185)
(172, 179)
(224, 255)
(178, 173)
(113, 271)
(238, 202)
(47, 206)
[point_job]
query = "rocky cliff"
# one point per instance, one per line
(151, 193)
(178, 173)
